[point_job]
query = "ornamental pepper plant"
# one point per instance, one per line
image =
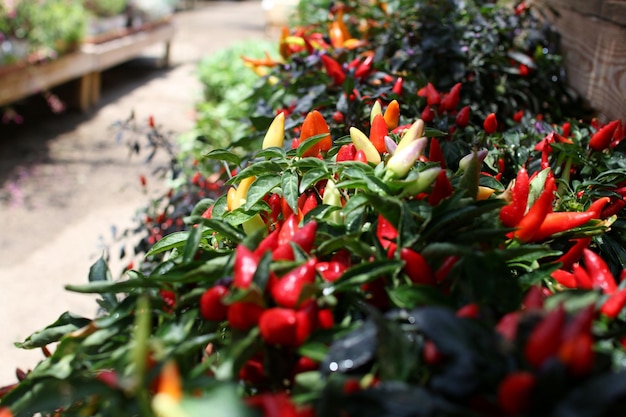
(373, 264)
(390, 285)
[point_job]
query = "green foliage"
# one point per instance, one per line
(51, 27)
(106, 7)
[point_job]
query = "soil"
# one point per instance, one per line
(68, 187)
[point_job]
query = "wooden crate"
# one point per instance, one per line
(593, 38)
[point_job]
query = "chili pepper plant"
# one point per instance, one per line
(377, 266)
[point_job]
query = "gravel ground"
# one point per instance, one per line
(65, 183)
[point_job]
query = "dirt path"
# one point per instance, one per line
(65, 181)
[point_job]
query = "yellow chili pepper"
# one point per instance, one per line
(275, 135)
(362, 143)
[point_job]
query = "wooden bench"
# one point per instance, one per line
(85, 65)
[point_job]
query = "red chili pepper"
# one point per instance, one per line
(364, 68)
(581, 323)
(435, 154)
(599, 272)
(515, 393)
(287, 289)
(397, 86)
(385, 232)
(577, 355)
(243, 315)
(275, 203)
(602, 138)
(331, 270)
(517, 117)
(536, 214)
(346, 153)
(431, 353)
(338, 117)
(507, 326)
(490, 124)
(583, 279)
(446, 266)
(597, 206)
(442, 188)
(512, 214)
(211, 306)
(303, 237)
(533, 299)
(428, 115)
(306, 321)
(288, 229)
(325, 318)
(361, 156)
(246, 263)
(566, 279)
(560, 222)
(574, 253)
(433, 97)
(269, 243)
(614, 304)
(462, 117)
(309, 204)
(566, 129)
(378, 131)
(451, 100)
(273, 405)
(416, 267)
(545, 339)
(470, 311)
(333, 69)
(252, 372)
(614, 207)
(278, 326)
(313, 125)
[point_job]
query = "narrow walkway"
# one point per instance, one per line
(65, 181)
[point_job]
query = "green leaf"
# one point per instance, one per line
(191, 246)
(224, 229)
(430, 132)
(112, 287)
(66, 323)
(364, 272)
(273, 152)
(311, 177)
(256, 169)
(290, 189)
(48, 395)
(262, 273)
(99, 271)
(171, 241)
(411, 296)
(223, 155)
(260, 188)
(308, 143)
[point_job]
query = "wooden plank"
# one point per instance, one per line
(595, 58)
(613, 11)
(109, 54)
(33, 79)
